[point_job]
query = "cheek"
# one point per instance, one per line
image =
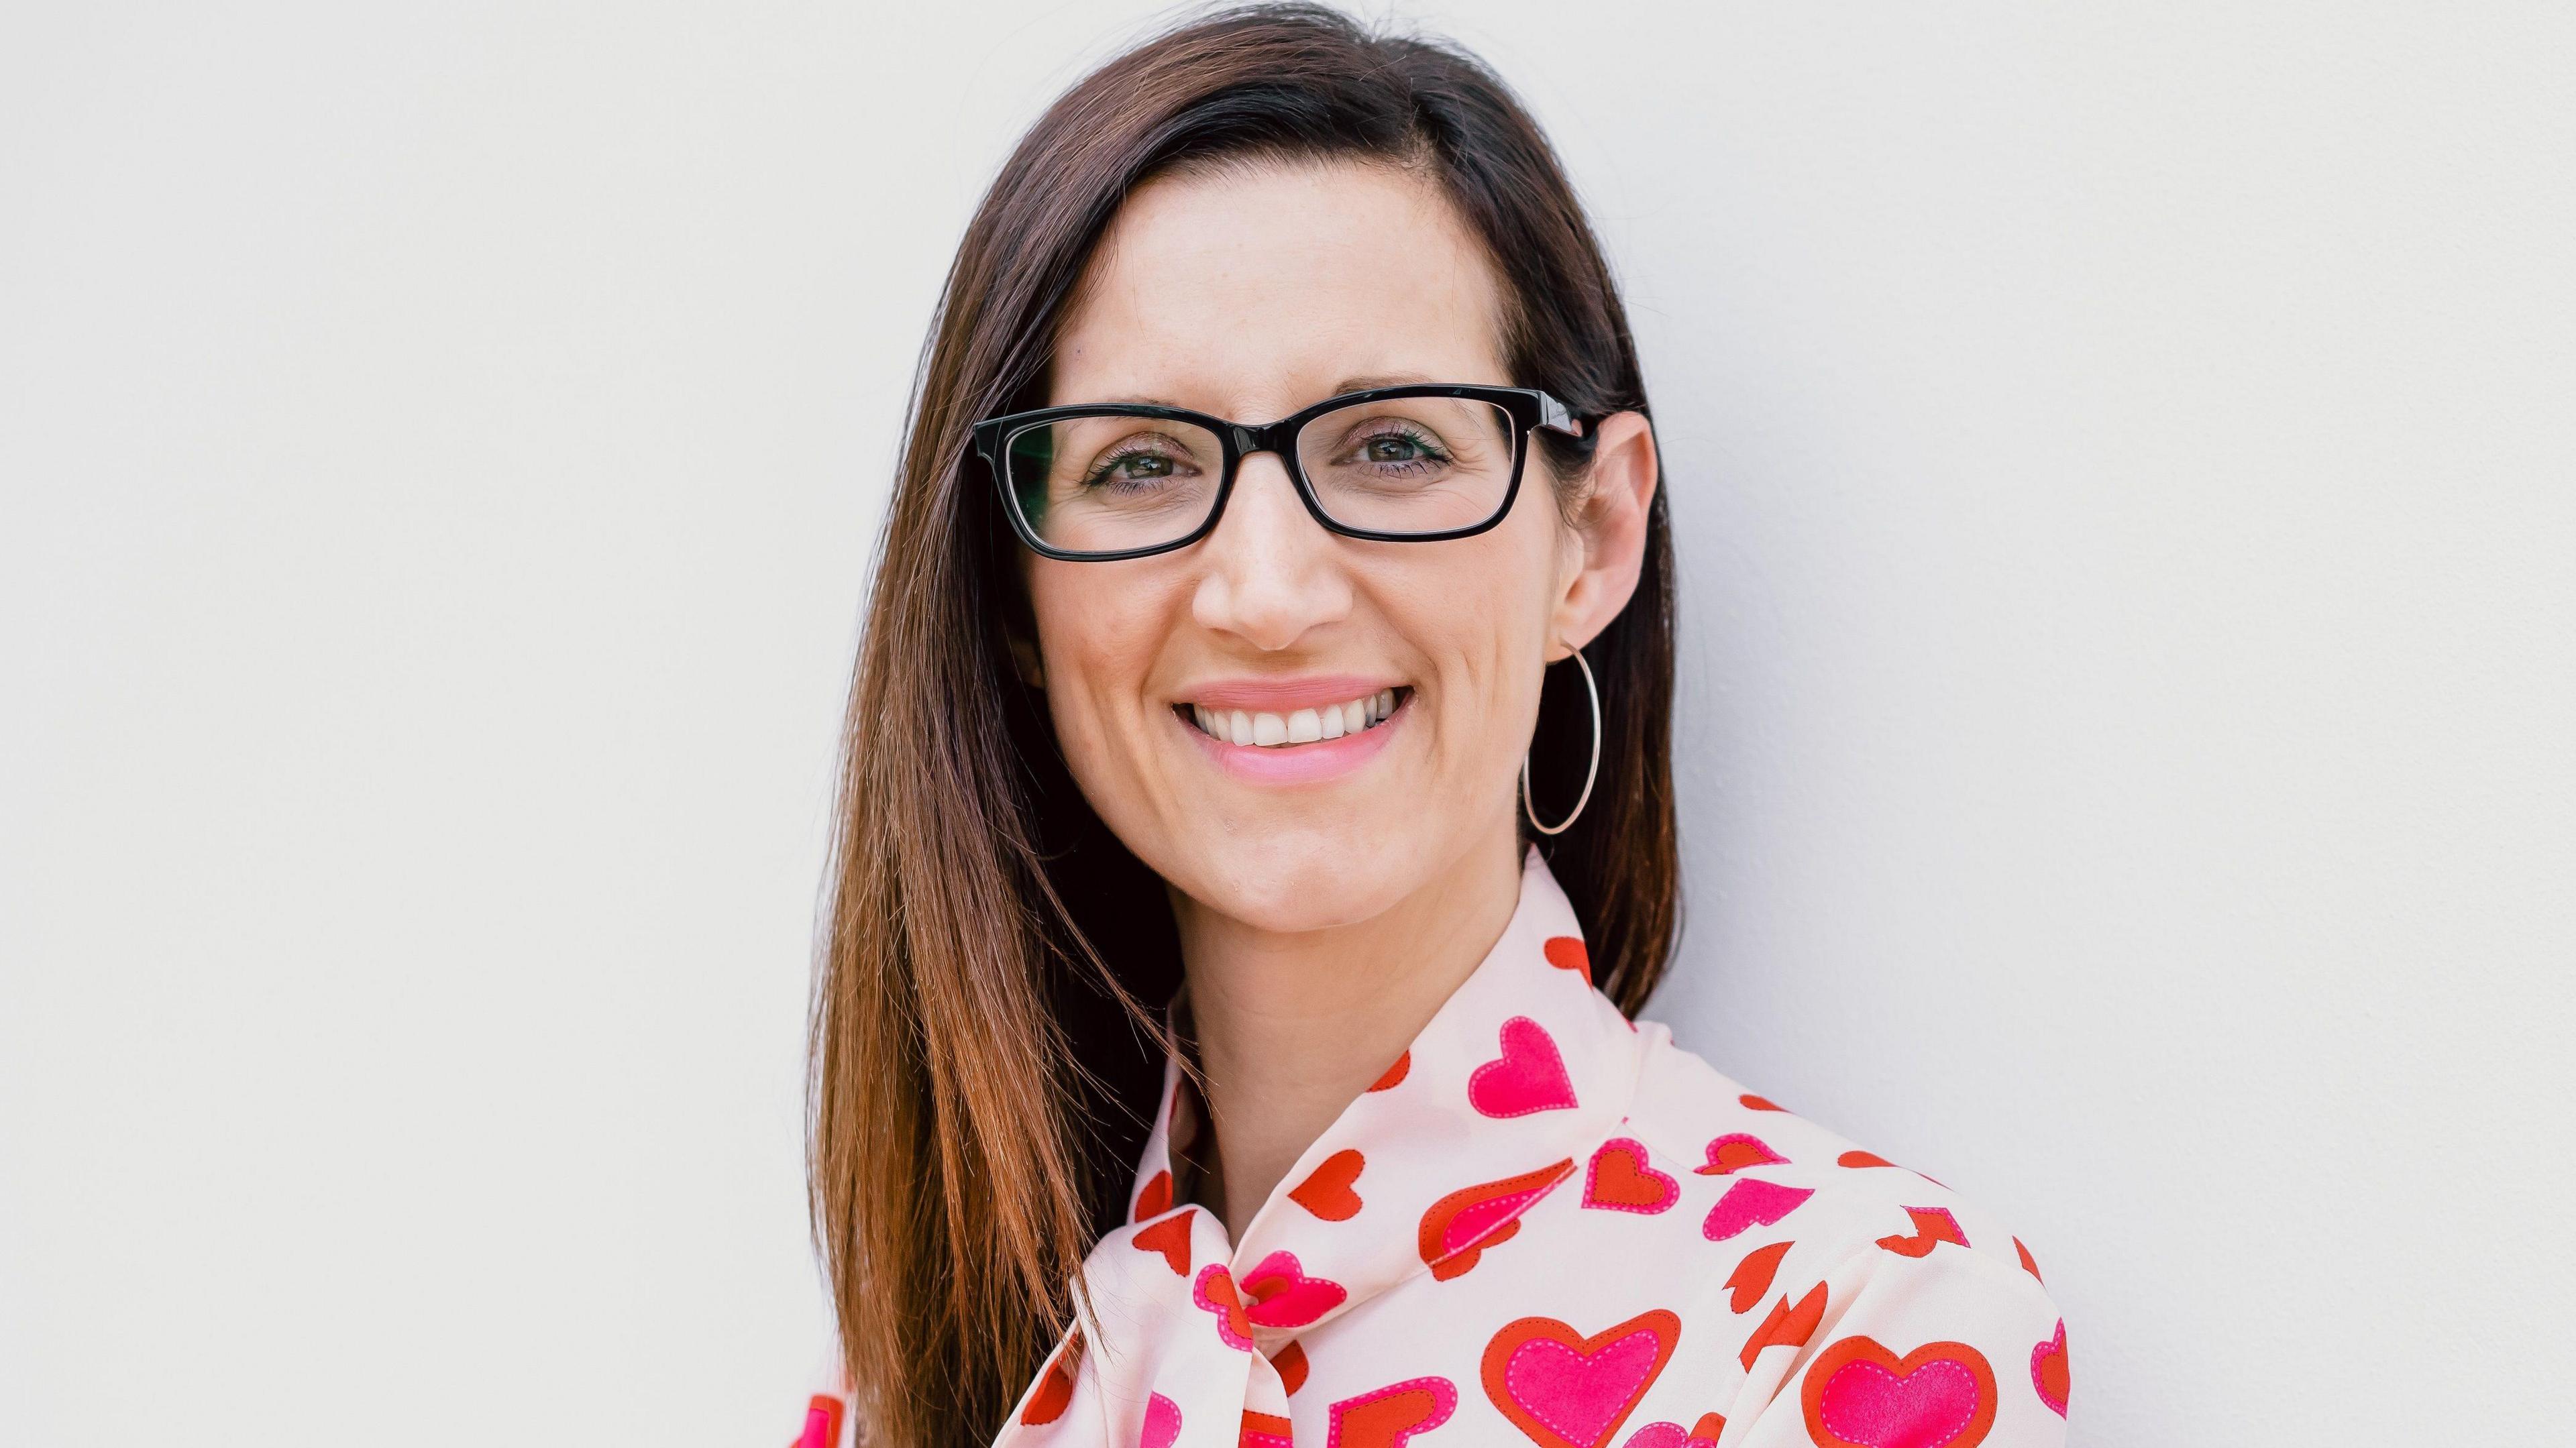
(1097, 644)
(1482, 621)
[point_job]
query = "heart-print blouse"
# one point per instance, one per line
(1546, 1224)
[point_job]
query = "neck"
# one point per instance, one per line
(1291, 1027)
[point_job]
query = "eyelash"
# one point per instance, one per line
(1431, 449)
(1110, 462)
(1433, 453)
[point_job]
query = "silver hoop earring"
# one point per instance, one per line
(1592, 692)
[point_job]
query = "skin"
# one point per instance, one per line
(1322, 922)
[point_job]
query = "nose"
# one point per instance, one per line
(1271, 573)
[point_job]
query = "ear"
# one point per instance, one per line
(1610, 528)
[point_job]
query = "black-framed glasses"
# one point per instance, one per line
(1414, 463)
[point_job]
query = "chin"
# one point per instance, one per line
(1309, 886)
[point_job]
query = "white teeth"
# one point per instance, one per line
(1302, 726)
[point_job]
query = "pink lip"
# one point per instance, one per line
(1282, 696)
(1299, 763)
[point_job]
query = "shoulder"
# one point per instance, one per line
(1844, 1195)
(1828, 1257)
(1815, 1199)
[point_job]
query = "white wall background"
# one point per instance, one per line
(2125, 468)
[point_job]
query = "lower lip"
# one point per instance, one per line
(1297, 763)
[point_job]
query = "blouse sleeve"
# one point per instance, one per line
(1950, 1349)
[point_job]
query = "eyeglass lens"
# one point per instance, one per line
(1406, 465)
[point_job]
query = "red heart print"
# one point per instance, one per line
(1055, 1385)
(1858, 1159)
(1265, 1430)
(1932, 1227)
(1751, 1278)
(2029, 1263)
(1528, 1077)
(1565, 1390)
(2048, 1371)
(1457, 1229)
(1290, 1360)
(1162, 1423)
(1389, 1416)
(1734, 1152)
(1171, 1237)
(1394, 1074)
(1154, 1198)
(1284, 1296)
(1860, 1395)
(1758, 1103)
(1565, 952)
(1751, 1202)
(1326, 1191)
(1620, 1180)
(1215, 1292)
(1044, 1405)
(1786, 1326)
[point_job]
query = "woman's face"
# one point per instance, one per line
(1250, 293)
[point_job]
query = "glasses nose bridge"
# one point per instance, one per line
(1277, 437)
(1280, 439)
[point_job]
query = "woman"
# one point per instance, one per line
(1258, 834)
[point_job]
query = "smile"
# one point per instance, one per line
(1262, 729)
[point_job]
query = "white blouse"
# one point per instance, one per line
(1546, 1224)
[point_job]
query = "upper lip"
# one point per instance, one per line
(1279, 696)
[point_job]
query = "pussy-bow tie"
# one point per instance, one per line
(1499, 1099)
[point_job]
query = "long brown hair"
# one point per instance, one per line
(983, 1055)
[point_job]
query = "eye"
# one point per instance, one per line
(1399, 444)
(1136, 462)
(1135, 466)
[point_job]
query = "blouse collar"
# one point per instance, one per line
(1519, 1074)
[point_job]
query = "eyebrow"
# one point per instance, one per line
(1391, 379)
(1347, 384)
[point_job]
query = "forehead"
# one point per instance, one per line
(1254, 289)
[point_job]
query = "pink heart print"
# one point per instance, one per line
(1574, 1394)
(1674, 1435)
(1563, 1389)
(1528, 1077)
(1751, 1203)
(1860, 1394)
(1280, 1294)
(1926, 1408)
